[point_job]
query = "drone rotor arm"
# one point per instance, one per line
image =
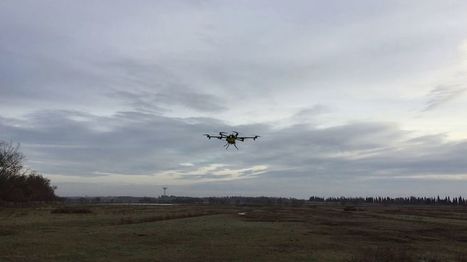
(248, 137)
(212, 136)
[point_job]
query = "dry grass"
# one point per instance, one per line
(218, 233)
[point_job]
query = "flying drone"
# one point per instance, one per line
(231, 139)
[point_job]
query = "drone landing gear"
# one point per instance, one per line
(227, 146)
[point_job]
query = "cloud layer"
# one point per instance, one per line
(135, 148)
(112, 97)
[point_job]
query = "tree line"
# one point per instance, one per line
(261, 201)
(456, 201)
(239, 200)
(228, 200)
(18, 183)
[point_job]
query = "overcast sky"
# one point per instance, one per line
(349, 97)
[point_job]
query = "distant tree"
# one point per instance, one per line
(17, 183)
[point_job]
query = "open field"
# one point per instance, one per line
(219, 233)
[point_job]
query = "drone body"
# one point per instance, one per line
(231, 139)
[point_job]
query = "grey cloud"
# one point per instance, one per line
(79, 54)
(163, 101)
(74, 143)
(190, 99)
(358, 150)
(128, 142)
(441, 95)
(156, 87)
(312, 111)
(142, 101)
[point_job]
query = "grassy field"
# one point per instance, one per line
(219, 233)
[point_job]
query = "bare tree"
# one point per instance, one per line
(17, 183)
(11, 160)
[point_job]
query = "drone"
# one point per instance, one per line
(231, 139)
